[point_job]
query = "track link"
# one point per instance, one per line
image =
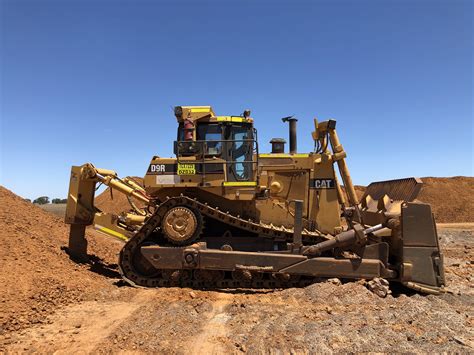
(157, 277)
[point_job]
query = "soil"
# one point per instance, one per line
(36, 274)
(115, 202)
(51, 305)
(359, 189)
(451, 199)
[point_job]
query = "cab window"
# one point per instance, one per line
(212, 135)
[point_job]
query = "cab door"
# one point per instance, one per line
(239, 144)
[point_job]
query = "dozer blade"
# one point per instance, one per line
(414, 243)
(422, 268)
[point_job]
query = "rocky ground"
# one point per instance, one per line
(50, 304)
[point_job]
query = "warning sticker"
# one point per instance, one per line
(168, 179)
(186, 169)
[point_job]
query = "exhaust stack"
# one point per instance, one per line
(292, 124)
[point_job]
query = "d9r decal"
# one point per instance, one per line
(157, 168)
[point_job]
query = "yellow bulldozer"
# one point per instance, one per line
(222, 214)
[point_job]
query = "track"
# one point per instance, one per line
(136, 271)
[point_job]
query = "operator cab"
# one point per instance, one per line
(228, 140)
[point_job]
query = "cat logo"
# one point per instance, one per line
(322, 184)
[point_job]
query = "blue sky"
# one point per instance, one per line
(96, 81)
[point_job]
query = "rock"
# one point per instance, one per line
(379, 286)
(335, 281)
(463, 341)
(192, 295)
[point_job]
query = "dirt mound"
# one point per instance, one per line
(451, 198)
(116, 202)
(360, 190)
(36, 274)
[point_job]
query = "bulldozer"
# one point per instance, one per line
(222, 214)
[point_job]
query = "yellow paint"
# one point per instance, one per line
(232, 119)
(240, 183)
(204, 109)
(186, 169)
(283, 155)
(111, 232)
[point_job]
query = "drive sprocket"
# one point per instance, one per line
(182, 225)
